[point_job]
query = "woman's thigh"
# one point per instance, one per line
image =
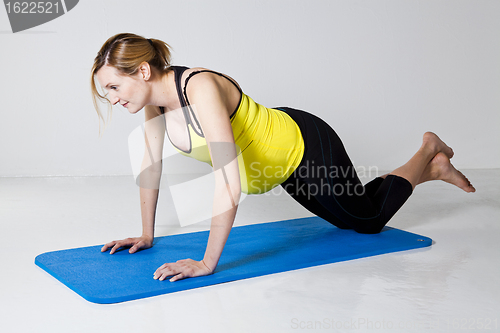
(330, 175)
(301, 192)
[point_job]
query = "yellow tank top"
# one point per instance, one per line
(269, 143)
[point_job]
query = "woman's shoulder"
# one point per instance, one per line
(208, 73)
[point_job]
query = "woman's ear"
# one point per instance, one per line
(145, 71)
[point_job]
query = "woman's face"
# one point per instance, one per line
(131, 91)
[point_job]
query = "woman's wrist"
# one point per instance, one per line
(148, 236)
(207, 266)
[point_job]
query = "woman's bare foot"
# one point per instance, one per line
(440, 168)
(433, 142)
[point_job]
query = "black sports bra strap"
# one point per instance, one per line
(178, 70)
(205, 70)
(186, 107)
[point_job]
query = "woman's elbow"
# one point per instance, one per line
(228, 194)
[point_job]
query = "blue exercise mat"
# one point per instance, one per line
(250, 251)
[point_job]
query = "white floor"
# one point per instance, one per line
(449, 286)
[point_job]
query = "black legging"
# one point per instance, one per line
(327, 185)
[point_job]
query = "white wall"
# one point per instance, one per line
(380, 72)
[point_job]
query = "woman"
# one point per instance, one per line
(251, 148)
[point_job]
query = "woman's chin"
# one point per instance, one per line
(133, 110)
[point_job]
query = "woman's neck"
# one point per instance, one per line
(164, 91)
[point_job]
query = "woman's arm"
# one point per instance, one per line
(149, 182)
(151, 168)
(207, 98)
(226, 199)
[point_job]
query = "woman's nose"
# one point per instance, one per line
(114, 99)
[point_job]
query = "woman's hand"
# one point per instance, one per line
(182, 269)
(136, 243)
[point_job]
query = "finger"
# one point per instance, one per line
(166, 274)
(161, 268)
(136, 247)
(122, 243)
(159, 271)
(179, 276)
(116, 247)
(107, 246)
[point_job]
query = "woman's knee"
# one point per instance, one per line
(369, 228)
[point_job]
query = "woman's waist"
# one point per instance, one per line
(270, 128)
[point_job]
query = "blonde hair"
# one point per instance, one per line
(125, 52)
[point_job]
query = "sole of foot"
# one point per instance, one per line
(445, 171)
